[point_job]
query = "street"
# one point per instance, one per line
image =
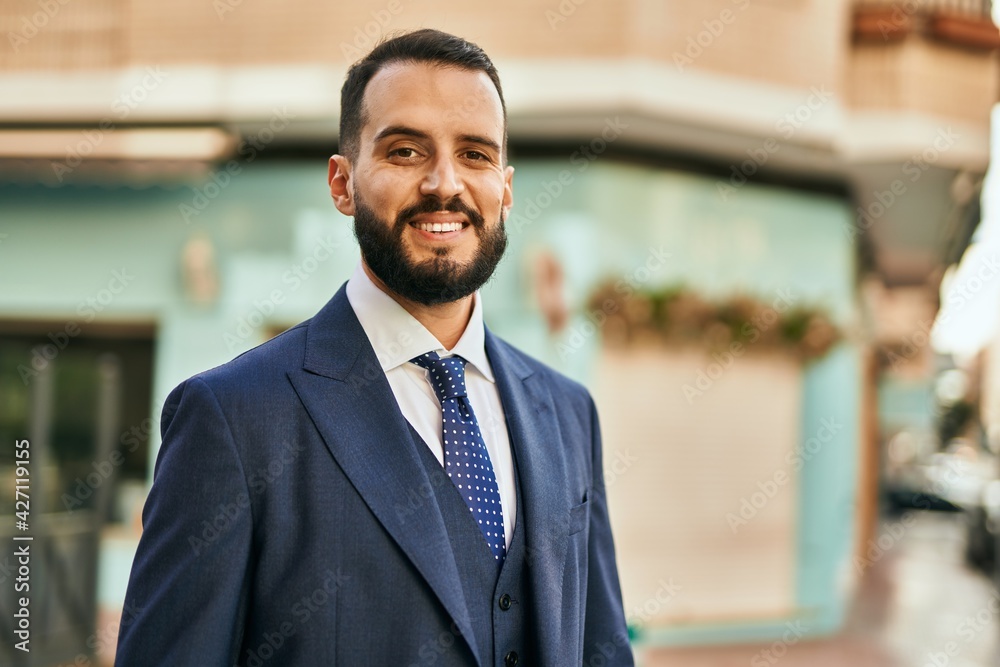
(918, 606)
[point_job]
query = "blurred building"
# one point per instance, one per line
(163, 207)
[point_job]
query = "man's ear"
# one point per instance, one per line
(508, 190)
(339, 178)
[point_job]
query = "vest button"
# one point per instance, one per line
(510, 659)
(505, 602)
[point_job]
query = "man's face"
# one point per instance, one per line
(428, 190)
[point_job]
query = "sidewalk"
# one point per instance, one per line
(917, 604)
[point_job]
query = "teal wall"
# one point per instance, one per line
(906, 404)
(600, 219)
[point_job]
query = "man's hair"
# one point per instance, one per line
(426, 45)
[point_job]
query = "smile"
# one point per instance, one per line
(439, 227)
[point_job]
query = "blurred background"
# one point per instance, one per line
(763, 232)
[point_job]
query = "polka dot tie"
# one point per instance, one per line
(465, 457)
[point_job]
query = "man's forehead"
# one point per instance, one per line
(405, 92)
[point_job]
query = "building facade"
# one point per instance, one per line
(809, 165)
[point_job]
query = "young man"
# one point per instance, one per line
(387, 483)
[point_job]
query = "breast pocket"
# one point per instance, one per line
(579, 516)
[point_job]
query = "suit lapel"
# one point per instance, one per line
(345, 392)
(538, 453)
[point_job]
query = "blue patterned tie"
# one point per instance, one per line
(465, 457)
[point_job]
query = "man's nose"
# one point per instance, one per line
(442, 179)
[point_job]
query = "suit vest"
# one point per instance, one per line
(497, 598)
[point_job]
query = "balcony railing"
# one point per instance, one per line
(964, 23)
(971, 8)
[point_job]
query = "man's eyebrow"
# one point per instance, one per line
(482, 141)
(401, 129)
(404, 130)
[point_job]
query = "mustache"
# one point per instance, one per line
(433, 204)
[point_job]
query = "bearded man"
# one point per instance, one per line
(387, 483)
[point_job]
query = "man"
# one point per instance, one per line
(387, 483)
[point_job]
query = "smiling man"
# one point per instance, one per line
(388, 483)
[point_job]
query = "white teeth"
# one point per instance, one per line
(439, 226)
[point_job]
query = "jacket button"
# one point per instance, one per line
(510, 659)
(505, 604)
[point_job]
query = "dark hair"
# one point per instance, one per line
(424, 45)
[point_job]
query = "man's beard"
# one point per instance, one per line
(432, 281)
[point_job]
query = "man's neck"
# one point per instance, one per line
(445, 321)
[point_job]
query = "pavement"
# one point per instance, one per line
(919, 605)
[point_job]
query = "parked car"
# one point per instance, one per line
(919, 477)
(983, 530)
(966, 476)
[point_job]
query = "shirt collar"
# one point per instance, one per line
(396, 336)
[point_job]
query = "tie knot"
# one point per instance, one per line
(447, 375)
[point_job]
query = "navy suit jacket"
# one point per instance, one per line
(291, 520)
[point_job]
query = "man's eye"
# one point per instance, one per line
(476, 155)
(404, 152)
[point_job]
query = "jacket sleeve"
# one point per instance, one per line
(187, 595)
(605, 629)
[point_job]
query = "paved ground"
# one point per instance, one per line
(917, 604)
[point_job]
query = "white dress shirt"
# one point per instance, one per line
(397, 337)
